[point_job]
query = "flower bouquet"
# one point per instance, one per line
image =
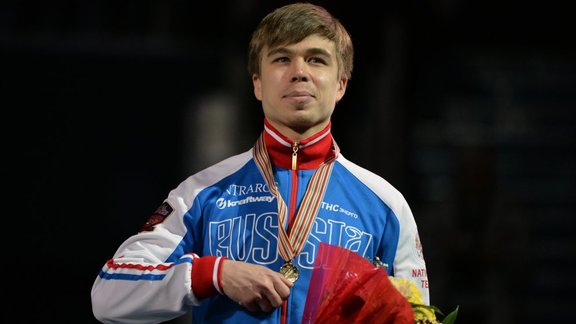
(347, 288)
(423, 314)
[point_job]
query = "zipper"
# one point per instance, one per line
(293, 195)
(294, 155)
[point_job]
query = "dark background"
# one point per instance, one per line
(467, 107)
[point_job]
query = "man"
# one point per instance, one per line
(237, 241)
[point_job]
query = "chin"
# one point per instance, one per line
(301, 120)
(303, 123)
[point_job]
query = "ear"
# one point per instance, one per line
(342, 84)
(257, 86)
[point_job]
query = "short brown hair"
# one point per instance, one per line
(291, 24)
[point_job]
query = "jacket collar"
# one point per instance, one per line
(311, 151)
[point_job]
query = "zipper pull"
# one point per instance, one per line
(294, 155)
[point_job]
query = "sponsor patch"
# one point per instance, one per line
(157, 217)
(419, 249)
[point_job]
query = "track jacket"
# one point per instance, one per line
(227, 211)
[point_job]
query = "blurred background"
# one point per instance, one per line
(467, 107)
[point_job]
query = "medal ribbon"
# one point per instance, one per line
(290, 245)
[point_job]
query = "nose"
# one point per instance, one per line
(299, 71)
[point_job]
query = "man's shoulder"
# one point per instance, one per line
(380, 186)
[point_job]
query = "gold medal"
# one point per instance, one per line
(289, 271)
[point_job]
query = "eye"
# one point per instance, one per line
(317, 60)
(281, 59)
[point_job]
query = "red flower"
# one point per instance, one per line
(346, 288)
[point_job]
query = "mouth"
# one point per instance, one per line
(299, 95)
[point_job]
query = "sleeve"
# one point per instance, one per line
(154, 275)
(409, 261)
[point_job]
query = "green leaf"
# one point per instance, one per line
(451, 318)
(432, 308)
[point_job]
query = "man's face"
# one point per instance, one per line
(299, 86)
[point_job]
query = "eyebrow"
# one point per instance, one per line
(309, 51)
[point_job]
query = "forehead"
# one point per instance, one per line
(314, 43)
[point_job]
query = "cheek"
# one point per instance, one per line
(327, 81)
(270, 85)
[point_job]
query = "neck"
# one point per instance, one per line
(297, 134)
(311, 152)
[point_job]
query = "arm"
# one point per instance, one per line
(136, 289)
(150, 277)
(406, 253)
(409, 261)
(138, 286)
(155, 276)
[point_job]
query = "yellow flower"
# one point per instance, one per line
(408, 289)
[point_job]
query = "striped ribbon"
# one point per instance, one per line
(290, 245)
